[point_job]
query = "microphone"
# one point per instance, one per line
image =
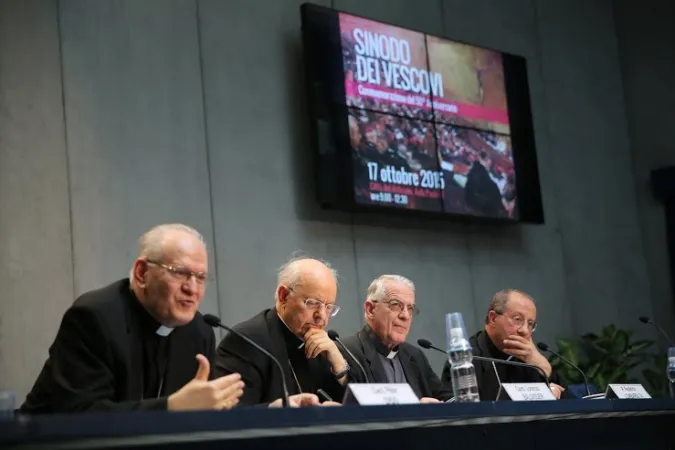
(428, 345)
(336, 337)
(545, 348)
(644, 319)
(214, 321)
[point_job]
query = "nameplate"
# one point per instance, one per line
(380, 394)
(625, 391)
(527, 392)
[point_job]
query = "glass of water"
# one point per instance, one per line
(670, 370)
(7, 402)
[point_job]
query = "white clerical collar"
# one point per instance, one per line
(302, 343)
(164, 331)
(379, 345)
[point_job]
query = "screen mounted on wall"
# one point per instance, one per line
(409, 122)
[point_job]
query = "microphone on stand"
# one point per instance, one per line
(644, 319)
(336, 337)
(545, 348)
(428, 345)
(214, 321)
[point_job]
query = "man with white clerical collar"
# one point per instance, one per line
(155, 339)
(294, 331)
(387, 356)
(380, 346)
(139, 343)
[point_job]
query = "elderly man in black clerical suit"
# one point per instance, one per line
(380, 346)
(294, 332)
(510, 321)
(139, 343)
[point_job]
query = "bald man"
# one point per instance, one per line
(139, 343)
(294, 331)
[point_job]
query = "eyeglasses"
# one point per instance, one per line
(182, 273)
(314, 305)
(519, 321)
(398, 307)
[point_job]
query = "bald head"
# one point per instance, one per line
(299, 280)
(302, 270)
(159, 240)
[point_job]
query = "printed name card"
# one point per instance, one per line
(624, 391)
(524, 392)
(380, 394)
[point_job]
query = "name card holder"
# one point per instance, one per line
(527, 392)
(379, 394)
(626, 391)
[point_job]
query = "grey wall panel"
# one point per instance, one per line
(421, 15)
(258, 138)
(602, 248)
(530, 260)
(135, 123)
(645, 36)
(35, 242)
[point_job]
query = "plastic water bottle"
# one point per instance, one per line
(460, 355)
(670, 371)
(7, 404)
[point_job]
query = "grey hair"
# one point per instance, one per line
(501, 298)
(289, 275)
(151, 243)
(376, 290)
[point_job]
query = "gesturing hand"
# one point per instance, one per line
(200, 393)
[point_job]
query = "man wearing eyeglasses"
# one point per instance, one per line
(294, 331)
(139, 343)
(510, 321)
(380, 346)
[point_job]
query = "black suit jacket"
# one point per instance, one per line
(488, 386)
(419, 374)
(261, 376)
(95, 361)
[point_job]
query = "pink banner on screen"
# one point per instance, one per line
(383, 94)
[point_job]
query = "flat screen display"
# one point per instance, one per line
(408, 121)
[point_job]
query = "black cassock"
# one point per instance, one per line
(110, 354)
(488, 385)
(262, 379)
